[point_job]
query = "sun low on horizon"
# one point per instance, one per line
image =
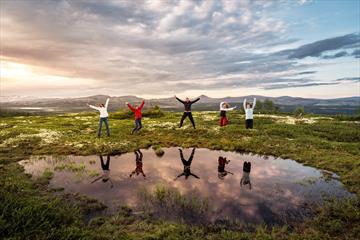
(158, 48)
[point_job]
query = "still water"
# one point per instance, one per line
(231, 186)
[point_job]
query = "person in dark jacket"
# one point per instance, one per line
(187, 110)
(138, 115)
(187, 163)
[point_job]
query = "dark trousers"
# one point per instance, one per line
(185, 115)
(106, 121)
(138, 125)
(249, 123)
(106, 165)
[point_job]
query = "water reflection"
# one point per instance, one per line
(139, 164)
(279, 188)
(187, 163)
(105, 166)
(245, 179)
(221, 167)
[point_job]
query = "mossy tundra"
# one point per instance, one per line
(31, 210)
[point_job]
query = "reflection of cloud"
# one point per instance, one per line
(275, 182)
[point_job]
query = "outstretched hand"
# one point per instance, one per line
(126, 103)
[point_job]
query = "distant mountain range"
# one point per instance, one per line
(285, 103)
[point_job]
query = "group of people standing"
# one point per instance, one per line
(137, 110)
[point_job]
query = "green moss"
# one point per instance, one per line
(32, 211)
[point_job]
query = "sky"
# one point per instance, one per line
(159, 48)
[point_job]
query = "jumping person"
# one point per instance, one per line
(104, 116)
(224, 107)
(221, 167)
(246, 175)
(249, 110)
(187, 163)
(139, 164)
(187, 110)
(106, 171)
(137, 112)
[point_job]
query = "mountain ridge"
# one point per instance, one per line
(286, 103)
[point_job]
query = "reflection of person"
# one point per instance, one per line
(224, 107)
(139, 164)
(187, 110)
(138, 115)
(187, 163)
(106, 171)
(104, 116)
(246, 175)
(249, 110)
(221, 168)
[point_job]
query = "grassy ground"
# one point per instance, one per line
(31, 210)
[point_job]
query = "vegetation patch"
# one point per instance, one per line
(28, 210)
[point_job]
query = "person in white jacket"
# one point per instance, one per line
(249, 112)
(104, 116)
(224, 107)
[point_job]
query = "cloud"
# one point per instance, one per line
(355, 79)
(146, 47)
(307, 72)
(317, 48)
(296, 85)
(336, 55)
(356, 53)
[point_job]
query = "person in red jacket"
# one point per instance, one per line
(137, 110)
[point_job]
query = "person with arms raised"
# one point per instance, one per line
(138, 115)
(104, 116)
(249, 112)
(187, 110)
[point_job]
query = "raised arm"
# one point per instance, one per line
(254, 103)
(221, 106)
(229, 109)
(194, 175)
(244, 104)
(93, 107)
(130, 107)
(195, 100)
(181, 174)
(96, 179)
(179, 99)
(107, 103)
(142, 104)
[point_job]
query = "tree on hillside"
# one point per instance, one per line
(299, 112)
(259, 106)
(269, 106)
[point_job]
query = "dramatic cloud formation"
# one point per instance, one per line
(158, 47)
(317, 48)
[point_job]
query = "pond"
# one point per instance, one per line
(195, 185)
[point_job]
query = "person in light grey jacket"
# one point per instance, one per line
(104, 116)
(249, 112)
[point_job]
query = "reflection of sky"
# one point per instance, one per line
(277, 185)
